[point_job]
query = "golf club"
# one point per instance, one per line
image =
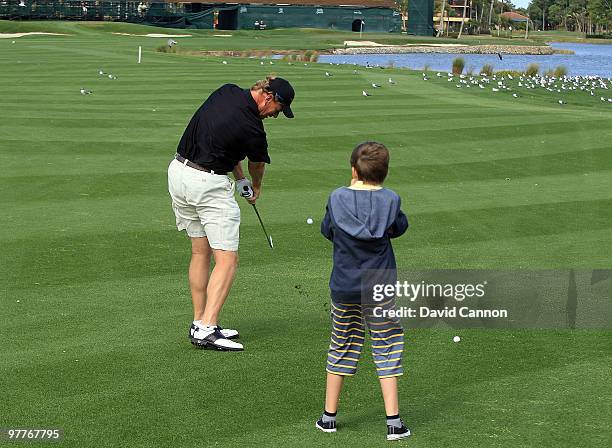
(269, 238)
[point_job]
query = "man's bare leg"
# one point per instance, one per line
(199, 269)
(219, 284)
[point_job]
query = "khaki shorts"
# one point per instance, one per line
(204, 205)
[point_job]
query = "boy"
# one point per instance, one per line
(360, 220)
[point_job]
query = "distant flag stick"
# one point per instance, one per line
(139, 54)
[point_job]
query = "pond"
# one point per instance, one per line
(589, 59)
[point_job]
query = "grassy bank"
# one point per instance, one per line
(563, 36)
(287, 39)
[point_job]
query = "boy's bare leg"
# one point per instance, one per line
(219, 284)
(199, 268)
(332, 392)
(390, 395)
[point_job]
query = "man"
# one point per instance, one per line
(226, 129)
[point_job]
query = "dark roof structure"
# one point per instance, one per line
(351, 3)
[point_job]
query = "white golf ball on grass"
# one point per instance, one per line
(309, 221)
(456, 339)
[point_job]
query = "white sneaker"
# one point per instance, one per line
(227, 332)
(214, 339)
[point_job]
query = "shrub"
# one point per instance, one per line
(560, 71)
(458, 65)
(549, 73)
(487, 69)
(426, 68)
(291, 57)
(532, 70)
(599, 36)
(307, 56)
(166, 49)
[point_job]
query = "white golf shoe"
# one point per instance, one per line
(213, 339)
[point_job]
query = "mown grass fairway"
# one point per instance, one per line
(94, 299)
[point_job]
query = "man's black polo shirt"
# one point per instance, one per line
(224, 130)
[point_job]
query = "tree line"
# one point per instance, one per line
(583, 16)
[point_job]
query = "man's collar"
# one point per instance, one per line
(251, 102)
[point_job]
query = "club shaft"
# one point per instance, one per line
(262, 224)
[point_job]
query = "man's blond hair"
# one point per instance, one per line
(263, 84)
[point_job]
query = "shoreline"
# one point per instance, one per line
(393, 49)
(455, 49)
(397, 49)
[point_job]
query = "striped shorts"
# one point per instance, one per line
(348, 337)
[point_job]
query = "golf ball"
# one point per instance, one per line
(309, 221)
(456, 339)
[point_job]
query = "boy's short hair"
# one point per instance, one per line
(371, 161)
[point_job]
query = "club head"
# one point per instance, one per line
(270, 241)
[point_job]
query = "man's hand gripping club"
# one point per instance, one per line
(247, 189)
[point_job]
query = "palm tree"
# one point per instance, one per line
(465, 7)
(441, 26)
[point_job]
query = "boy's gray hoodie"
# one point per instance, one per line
(361, 223)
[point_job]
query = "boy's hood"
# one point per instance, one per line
(364, 214)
